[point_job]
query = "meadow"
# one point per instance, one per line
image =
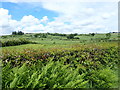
(57, 61)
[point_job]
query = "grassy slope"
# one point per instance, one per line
(60, 42)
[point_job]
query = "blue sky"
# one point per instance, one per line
(18, 10)
(60, 17)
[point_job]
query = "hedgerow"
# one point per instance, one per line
(15, 42)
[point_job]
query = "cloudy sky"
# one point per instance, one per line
(58, 17)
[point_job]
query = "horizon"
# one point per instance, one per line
(63, 33)
(59, 17)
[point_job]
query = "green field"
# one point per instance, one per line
(55, 61)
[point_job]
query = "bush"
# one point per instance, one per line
(71, 36)
(41, 35)
(76, 38)
(108, 35)
(15, 42)
(93, 34)
(3, 36)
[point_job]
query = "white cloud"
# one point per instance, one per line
(33, 28)
(4, 17)
(29, 20)
(27, 23)
(74, 17)
(44, 19)
(107, 15)
(30, 24)
(83, 17)
(4, 21)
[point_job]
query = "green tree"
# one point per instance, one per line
(17, 33)
(36, 35)
(108, 35)
(71, 36)
(75, 34)
(14, 33)
(20, 33)
(93, 34)
(44, 36)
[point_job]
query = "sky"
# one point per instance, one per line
(68, 17)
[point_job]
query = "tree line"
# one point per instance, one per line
(69, 36)
(17, 33)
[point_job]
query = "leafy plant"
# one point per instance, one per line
(52, 75)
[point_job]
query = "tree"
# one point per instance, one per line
(36, 35)
(71, 36)
(44, 36)
(108, 35)
(20, 33)
(17, 33)
(93, 34)
(14, 33)
(75, 34)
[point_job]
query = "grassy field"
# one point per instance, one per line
(61, 39)
(58, 62)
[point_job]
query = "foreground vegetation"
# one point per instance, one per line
(54, 65)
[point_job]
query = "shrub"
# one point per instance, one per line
(92, 34)
(76, 38)
(71, 36)
(108, 35)
(3, 36)
(41, 35)
(15, 42)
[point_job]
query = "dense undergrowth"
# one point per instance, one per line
(61, 68)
